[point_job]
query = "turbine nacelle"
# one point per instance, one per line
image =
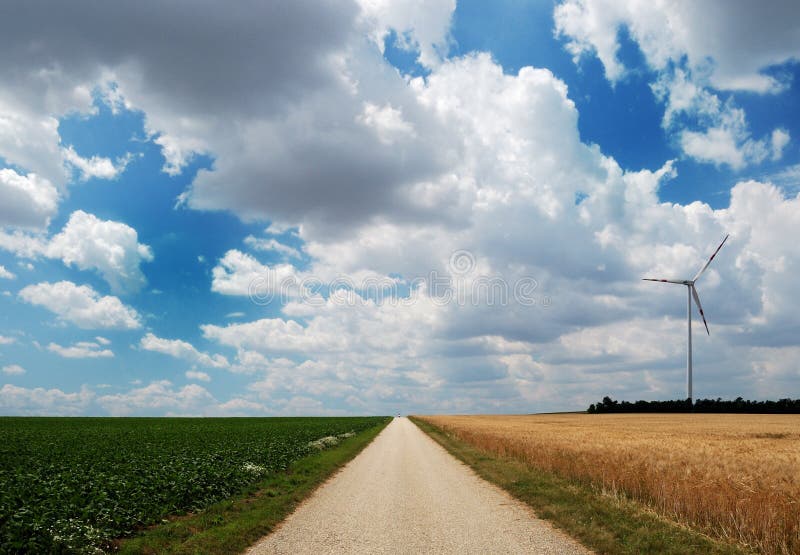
(690, 284)
(692, 294)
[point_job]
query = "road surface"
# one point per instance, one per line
(405, 494)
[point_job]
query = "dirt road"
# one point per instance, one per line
(405, 494)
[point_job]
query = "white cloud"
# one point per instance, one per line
(422, 26)
(81, 349)
(469, 156)
(89, 243)
(240, 407)
(111, 248)
(5, 274)
(26, 201)
(274, 335)
(788, 178)
(40, 401)
(717, 145)
(274, 60)
(81, 305)
(250, 362)
(774, 368)
(238, 273)
(780, 138)
(13, 370)
(23, 244)
(28, 131)
(741, 40)
(4, 340)
(182, 350)
(694, 47)
(386, 121)
(155, 399)
(159, 397)
(254, 123)
(522, 163)
(197, 375)
(271, 245)
(96, 166)
(729, 141)
(31, 102)
(638, 341)
(178, 151)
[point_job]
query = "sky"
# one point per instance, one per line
(380, 207)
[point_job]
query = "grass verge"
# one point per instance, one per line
(236, 523)
(602, 522)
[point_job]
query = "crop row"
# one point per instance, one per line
(75, 484)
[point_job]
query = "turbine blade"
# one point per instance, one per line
(699, 307)
(703, 269)
(664, 280)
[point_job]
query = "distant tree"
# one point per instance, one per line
(718, 405)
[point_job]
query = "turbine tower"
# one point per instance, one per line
(691, 291)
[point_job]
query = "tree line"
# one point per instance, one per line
(738, 405)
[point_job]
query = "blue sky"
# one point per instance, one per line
(156, 189)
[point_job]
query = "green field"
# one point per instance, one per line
(75, 484)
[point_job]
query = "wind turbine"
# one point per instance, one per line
(691, 291)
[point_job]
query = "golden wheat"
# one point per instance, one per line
(732, 476)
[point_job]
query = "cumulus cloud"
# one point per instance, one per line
(26, 201)
(280, 66)
(254, 125)
(238, 273)
(81, 349)
(273, 334)
(29, 136)
(780, 138)
(95, 166)
(741, 40)
(271, 245)
(5, 274)
(40, 401)
(694, 47)
(787, 178)
(149, 78)
(89, 243)
(240, 407)
(197, 375)
(111, 248)
(159, 397)
(81, 305)
(594, 328)
(726, 139)
(468, 157)
(721, 145)
(13, 370)
(30, 104)
(421, 26)
(155, 399)
(183, 350)
(4, 340)
(387, 122)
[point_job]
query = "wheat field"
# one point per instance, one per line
(735, 477)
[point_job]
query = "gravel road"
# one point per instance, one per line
(405, 494)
